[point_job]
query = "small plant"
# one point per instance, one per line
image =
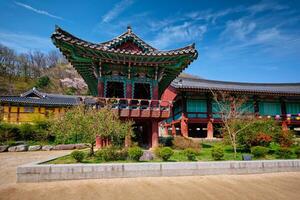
(217, 152)
(164, 153)
(78, 155)
(297, 152)
(284, 152)
(107, 154)
(190, 154)
(184, 143)
(135, 153)
(259, 151)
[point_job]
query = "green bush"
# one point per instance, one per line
(9, 132)
(190, 153)
(122, 154)
(259, 151)
(107, 154)
(297, 152)
(217, 152)
(135, 153)
(259, 133)
(78, 155)
(284, 152)
(42, 82)
(164, 153)
(184, 143)
(27, 131)
(166, 141)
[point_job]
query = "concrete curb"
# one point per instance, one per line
(35, 172)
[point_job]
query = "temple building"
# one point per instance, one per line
(147, 86)
(131, 72)
(35, 105)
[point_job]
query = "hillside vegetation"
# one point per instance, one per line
(48, 72)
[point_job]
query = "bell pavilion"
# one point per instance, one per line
(129, 71)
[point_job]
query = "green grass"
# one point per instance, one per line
(178, 156)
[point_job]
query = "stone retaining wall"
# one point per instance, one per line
(35, 172)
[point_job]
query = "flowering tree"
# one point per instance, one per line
(81, 124)
(234, 114)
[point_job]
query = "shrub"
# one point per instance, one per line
(297, 152)
(259, 151)
(259, 133)
(183, 143)
(9, 132)
(122, 154)
(284, 138)
(107, 154)
(273, 147)
(190, 154)
(263, 139)
(42, 82)
(166, 141)
(164, 153)
(135, 153)
(27, 131)
(284, 152)
(78, 155)
(217, 152)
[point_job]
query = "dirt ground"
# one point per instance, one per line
(256, 186)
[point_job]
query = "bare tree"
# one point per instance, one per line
(234, 113)
(8, 64)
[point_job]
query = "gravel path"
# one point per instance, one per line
(256, 186)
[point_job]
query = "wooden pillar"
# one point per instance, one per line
(184, 126)
(210, 130)
(100, 81)
(129, 90)
(100, 88)
(256, 105)
(155, 92)
(283, 107)
(173, 130)
(209, 106)
(98, 142)
(154, 138)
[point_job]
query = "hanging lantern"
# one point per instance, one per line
(289, 119)
(288, 115)
(297, 118)
(259, 117)
(268, 116)
(298, 114)
(277, 117)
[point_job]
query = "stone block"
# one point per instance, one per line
(22, 147)
(34, 148)
(3, 148)
(147, 155)
(12, 149)
(80, 146)
(64, 147)
(47, 148)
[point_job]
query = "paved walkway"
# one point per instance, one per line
(262, 186)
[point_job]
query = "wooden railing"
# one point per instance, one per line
(137, 107)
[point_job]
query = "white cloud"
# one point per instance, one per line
(42, 12)
(185, 32)
(25, 42)
(266, 5)
(116, 10)
(238, 29)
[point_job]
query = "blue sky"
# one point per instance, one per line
(248, 41)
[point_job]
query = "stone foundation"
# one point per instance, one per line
(52, 172)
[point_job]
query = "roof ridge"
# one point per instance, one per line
(236, 82)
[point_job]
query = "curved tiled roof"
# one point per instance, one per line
(41, 98)
(239, 87)
(64, 36)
